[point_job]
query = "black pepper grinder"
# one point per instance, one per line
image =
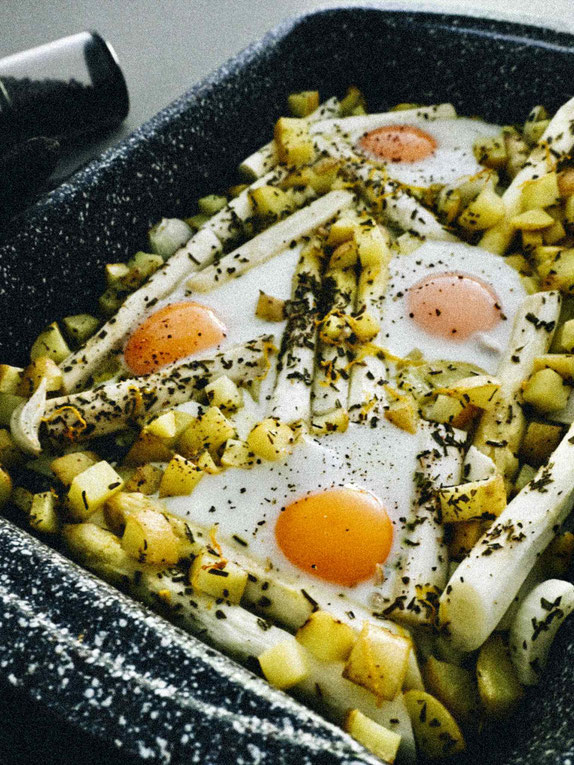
(66, 91)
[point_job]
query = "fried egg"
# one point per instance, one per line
(451, 301)
(325, 517)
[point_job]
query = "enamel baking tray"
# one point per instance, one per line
(99, 665)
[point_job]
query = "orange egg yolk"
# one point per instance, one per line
(453, 306)
(398, 143)
(172, 333)
(338, 535)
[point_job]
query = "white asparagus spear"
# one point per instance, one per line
(79, 366)
(270, 242)
(291, 399)
(331, 380)
(538, 619)
(110, 407)
(501, 429)
(488, 579)
(265, 159)
(556, 142)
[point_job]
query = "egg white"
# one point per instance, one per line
(400, 334)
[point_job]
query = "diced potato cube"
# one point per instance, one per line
(22, 499)
(10, 454)
(464, 535)
(271, 439)
(351, 100)
(294, 143)
(564, 337)
(147, 448)
(270, 308)
(373, 246)
(211, 204)
(531, 240)
(326, 637)
(148, 537)
(92, 488)
(558, 556)
(146, 479)
(546, 391)
(365, 327)
(526, 474)
(163, 426)
(539, 442)
(344, 255)
(205, 462)
(110, 301)
(569, 210)
(378, 661)
(444, 409)
(141, 267)
(115, 272)
(337, 420)
(50, 343)
(402, 410)
(448, 204)
(42, 368)
(558, 273)
(270, 202)
(342, 230)
(519, 263)
(490, 152)
(181, 477)
(475, 500)
(455, 687)
(479, 391)
(5, 486)
(302, 104)
(436, 731)
(197, 221)
(517, 150)
(566, 182)
(8, 402)
(381, 741)
(10, 378)
(532, 220)
(284, 664)
(540, 192)
(483, 212)
(562, 363)
(43, 514)
(184, 419)
(215, 428)
(66, 468)
(218, 577)
(237, 454)
(555, 233)
(498, 685)
(545, 254)
(224, 394)
(80, 327)
(334, 328)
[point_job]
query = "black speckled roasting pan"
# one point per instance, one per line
(97, 663)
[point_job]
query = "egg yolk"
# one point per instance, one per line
(398, 143)
(338, 535)
(172, 333)
(453, 306)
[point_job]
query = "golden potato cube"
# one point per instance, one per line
(205, 462)
(284, 664)
(342, 230)
(546, 391)
(498, 685)
(337, 420)
(352, 98)
(562, 363)
(224, 394)
(183, 420)
(519, 263)
(66, 468)
(22, 499)
(564, 337)
(443, 409)
(344, 255)
(237, 454)
(525, 475)
(10, 454)
(91, 488)
(326, 638)
(163, 426)
(555, 233)
(464, 535)
(557, 558)
(566, 182)
(43, 514)
(149, 538)
(180, 477)
(373, 246)
(270, 202)
(10, 378)
(483, 212)
(50, 343)
(5, 486)
(490, 152)
(271, 439)
(448, 204)
(539, 442)
(146, 479)
(455, 687)
(80, 327)
(545, 254)
(293, 141)
(531, 240)
(303, 103)
(436, 731)
(532, 220)
(42, 368)
(218, 577)
(558, 273)
(215, 428)
(479, 391)
(402, 410)
(269, 308)
(378, 661)
(115, 272)
(540, 192)
(147, 448)
(381, 741)
(569, 210)
(190, 440)
(474, 500)
(211, 204)
(365, 327)
(334, 328)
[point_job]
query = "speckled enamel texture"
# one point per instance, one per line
(96, 658)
